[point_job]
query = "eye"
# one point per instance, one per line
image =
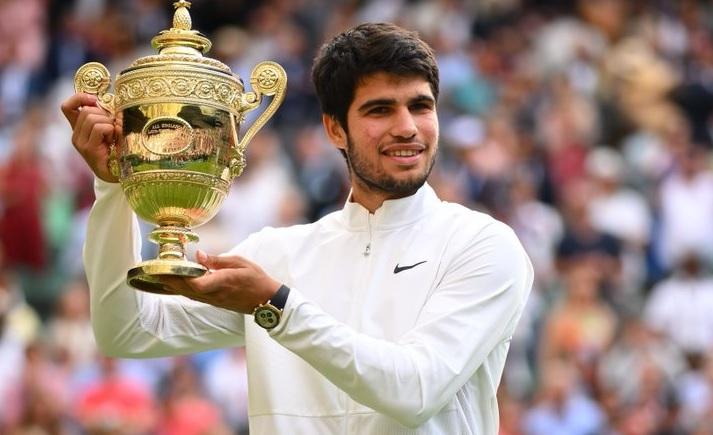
(421, 107)
(378, 110)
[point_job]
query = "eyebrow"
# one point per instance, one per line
(421, 98)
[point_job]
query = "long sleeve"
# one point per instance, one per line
(469, 317)
(131, 323)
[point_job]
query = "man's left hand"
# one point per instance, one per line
(232, 282)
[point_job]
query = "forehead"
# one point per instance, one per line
(383, 85)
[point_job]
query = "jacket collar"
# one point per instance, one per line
(392, 213)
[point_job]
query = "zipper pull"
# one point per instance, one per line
(367, 250)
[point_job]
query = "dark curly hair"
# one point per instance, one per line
(364, 50)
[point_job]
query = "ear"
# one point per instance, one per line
(335, 132)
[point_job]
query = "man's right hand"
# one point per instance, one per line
(93, 131)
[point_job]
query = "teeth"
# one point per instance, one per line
(403, 153)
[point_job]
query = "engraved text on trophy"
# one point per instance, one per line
(167, 136)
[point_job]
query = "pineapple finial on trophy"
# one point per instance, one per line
(181, 18)
(181, 38)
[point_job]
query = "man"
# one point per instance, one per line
(391, 316)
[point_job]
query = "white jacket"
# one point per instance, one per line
(409, 338)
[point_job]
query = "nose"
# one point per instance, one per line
(404, 125)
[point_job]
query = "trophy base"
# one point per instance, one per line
(149, 275)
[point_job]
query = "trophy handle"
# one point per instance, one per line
(268, 78)
(94, 78)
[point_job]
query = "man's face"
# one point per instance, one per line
(393, 135)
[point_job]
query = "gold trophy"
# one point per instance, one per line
(179, 150)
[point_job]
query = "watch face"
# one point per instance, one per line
(267, 316)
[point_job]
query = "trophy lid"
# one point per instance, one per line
(181, 43)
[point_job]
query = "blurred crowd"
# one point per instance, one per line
(583, 124)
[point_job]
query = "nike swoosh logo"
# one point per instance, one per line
(398, 268)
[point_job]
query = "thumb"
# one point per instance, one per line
(219, 261)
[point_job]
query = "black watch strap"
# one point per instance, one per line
(279, 299)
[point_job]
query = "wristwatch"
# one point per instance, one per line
(268, 315)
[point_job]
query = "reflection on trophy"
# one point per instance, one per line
(180, 149)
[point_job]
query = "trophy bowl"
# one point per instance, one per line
(180, 148)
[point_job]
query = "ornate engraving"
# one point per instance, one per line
(181, 87)
(134, 90)
(157, 87)
(92, 78)
(144, 87)
(140, 179)
(267, 78)
(205, 89)
(224, 93)
(207, 61)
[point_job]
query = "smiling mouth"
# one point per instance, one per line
(403, 153)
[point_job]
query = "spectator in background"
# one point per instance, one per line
(115, 404)
(45, 394)
(461, 136)
(581, 326)
(22, 188)
(656, 409)
(695, 94)
(491, 162)
(23, 46)
(695, 389)
(318, 172)
(539, 226)
(561, 406)
(637, 350)
(567, 125)
(622, 212)
(255, 197)
(639, 82)
(69, 331)
(581, 242)
(21, 320)
(225, 380)
(185, 409)
(686, 206)
(680, 306)
(11, 363)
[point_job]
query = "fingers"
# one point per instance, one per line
(201, 256)
(236, 289)
(72, 105)
(100, 134)
(208, 283)
(214, 281)
(90, 119)
(216, 262)
(93, 130)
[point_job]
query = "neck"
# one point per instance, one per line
(371, 198)
(368, 203)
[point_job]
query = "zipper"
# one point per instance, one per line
(356, 313)
(367, 249)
